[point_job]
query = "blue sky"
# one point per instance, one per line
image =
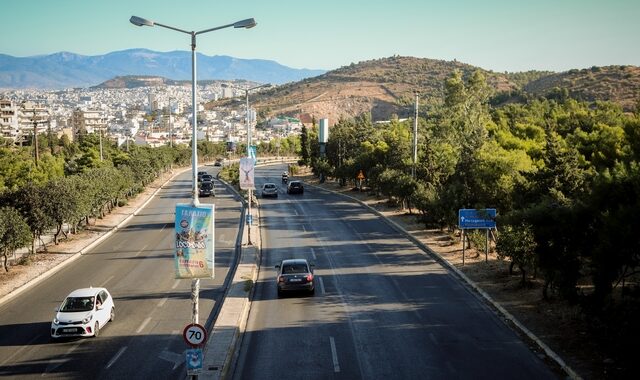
(499, 35)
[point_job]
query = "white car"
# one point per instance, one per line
(83, 313)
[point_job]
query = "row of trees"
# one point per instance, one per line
(566, 174)
(70, 183)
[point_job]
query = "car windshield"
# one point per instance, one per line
(294, 268)
(269, 186)
(74, 304)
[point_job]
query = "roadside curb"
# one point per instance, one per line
(508, 316)
(74, 256)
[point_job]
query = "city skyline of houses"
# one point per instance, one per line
(153, 116)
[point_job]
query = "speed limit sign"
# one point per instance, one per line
(194, 334)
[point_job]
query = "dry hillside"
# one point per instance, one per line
(619, 84)
(385, 87)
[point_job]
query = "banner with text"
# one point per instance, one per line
(246, 173)
(193, 255)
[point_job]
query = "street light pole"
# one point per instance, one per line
(246, 92)
(247, 23)
(415, 139)
(170, 127)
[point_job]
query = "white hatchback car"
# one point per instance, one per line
(83, 313)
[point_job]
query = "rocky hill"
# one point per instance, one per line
(134, 81)
(386, 86)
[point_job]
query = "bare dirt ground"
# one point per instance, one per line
(556, 323)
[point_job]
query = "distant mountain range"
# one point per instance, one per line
(67, 70)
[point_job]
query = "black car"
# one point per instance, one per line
(207, 189)
(200, 174)
(295, 275)
(207, 178)
(295, 187)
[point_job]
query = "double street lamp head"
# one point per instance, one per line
(246, 24)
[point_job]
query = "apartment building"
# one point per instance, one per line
(9, 128)
(88, 121)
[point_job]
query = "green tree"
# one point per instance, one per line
(305, 147)
(14, 233)
(517, 243)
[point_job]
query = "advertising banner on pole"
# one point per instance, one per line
(246, 173)
(193, 253)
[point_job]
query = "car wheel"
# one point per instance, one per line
(113, 314)
(96, 330)
(312, 291)
(279, 293)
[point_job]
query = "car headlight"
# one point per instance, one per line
(87, 319)
(55, 321)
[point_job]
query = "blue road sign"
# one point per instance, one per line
(477, 218)
(194, 360)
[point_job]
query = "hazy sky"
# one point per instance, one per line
(499, 35)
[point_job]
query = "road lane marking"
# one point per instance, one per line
(20, 350)
(140, 251)
(321, 285)
(143, 325)
(334, 355)
(118, 354)
(63, 360)
(304, 229)
(162, 301)
(175, 284)
(313, 254)
(105, 283)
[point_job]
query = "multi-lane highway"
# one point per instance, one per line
(152, 307)
(382, 308)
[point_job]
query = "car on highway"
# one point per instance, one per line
(218, 162)
(269, 189)
(295, 187)
(83, 313)
(295, 275)
(200, 174)
(206, 189)
(207, 178)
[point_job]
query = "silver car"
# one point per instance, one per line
(269, 189)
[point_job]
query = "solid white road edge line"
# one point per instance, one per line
(162, 301)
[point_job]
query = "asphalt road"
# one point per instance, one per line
(136, 265)
(382, 309)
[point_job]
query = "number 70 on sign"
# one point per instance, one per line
(194, 334)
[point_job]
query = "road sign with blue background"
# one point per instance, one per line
(193, 360)
(470, 218)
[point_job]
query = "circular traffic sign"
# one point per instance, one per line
(194, 334)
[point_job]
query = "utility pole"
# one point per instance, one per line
(170, 127)
(35, 136)
(415, 138)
